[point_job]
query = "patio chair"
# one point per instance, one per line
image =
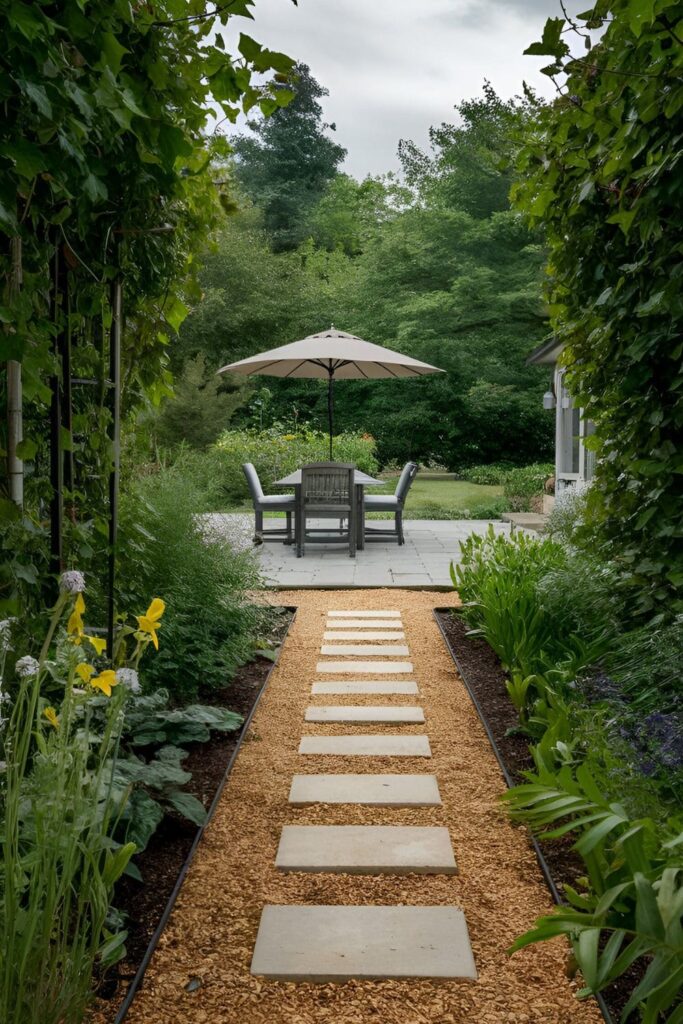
(391, 503)
(269, 503)
(327, 492)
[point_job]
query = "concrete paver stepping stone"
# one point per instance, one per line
(366, 745)
(366, 650)
(364, 713)
(357, 686)
(384, 668)
(363, 634)
(364, 624)
(392, 614)
(366, 849)
(370, 790)
(338, 943)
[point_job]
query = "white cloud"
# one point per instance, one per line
(394, 68)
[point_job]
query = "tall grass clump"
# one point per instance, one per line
(62, 717)
(213, 624)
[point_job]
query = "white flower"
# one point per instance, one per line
(6, 633)
(129, 678)
(27, 666)
(72, 581)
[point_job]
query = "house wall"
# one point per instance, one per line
(574, 464)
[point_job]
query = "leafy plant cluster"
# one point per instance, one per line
(600, 703)
(106, 171)
(600, 173)
(275, 453)
(212, 626)
(524, 486)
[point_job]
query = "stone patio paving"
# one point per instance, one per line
(423, 561)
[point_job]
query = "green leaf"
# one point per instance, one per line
(187, 805)
(27, 449)
(38, 95)
(640, 14)
(551, 43)
(113, 52)
(28, 158)
(248, 47)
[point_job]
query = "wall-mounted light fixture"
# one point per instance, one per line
(549, 400)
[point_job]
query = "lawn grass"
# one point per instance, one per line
(435, 499)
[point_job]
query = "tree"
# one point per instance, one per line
(201, 407)
(287, 162)
(601, 174)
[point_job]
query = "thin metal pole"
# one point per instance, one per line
(330, 405)
(116, 299)
(15, 430)
(56, 453)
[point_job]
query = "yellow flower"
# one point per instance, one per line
(104, 681)
(76, 629)
(52, 718)
(149, 622)
(74, 626)
(85, 671)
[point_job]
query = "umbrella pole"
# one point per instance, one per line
(330, 406)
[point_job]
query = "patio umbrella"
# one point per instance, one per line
(332, 355)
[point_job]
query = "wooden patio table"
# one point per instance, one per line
(361, 481)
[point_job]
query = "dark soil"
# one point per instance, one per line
(485, 677)
(143, 903)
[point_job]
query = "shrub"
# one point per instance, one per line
(275, 454)
(211, 626)
(493, 473)
(522, 485)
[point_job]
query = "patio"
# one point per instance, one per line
(423, 561)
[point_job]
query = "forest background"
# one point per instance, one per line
(433, 262)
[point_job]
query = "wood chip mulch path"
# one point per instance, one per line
(209, 941)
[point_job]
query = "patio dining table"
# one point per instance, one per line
(361, 481)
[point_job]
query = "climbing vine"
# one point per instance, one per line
(602, 173)
(110, 166)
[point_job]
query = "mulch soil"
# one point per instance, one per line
(200, 971)
(486, 679)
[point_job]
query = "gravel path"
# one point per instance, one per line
(210, 938)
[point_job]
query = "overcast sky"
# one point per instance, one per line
(395, 67)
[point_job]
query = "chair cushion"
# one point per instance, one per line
(380, 502)
(277, 501)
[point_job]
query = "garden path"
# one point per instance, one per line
(423, 561)
(274, 895)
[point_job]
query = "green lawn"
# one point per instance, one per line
(437, 499)
(446, 499)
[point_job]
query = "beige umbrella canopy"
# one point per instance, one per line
(331, 355)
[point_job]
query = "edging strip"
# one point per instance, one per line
(542, 863)
(163, 920)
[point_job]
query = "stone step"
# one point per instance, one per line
(366, 849)
(366, 650)
(363, 634)
(391, 614)
(384, 668)
(366, 746)
(338, 943)
(363, 624)
(363, 713)
(370, 790)
(359, 686)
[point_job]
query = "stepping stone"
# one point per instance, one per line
(366, 849)
(365, 615)
(363, 634)
(371, 790)
(366, 746)
(362, 713)
(366, 686)
(364, 624)
(338, 943)
(366, 650)
(365, 667)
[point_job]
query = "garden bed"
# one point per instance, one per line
(171, 846)
(484, 677)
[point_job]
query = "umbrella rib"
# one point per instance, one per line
(295, 368)
(360, 369)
